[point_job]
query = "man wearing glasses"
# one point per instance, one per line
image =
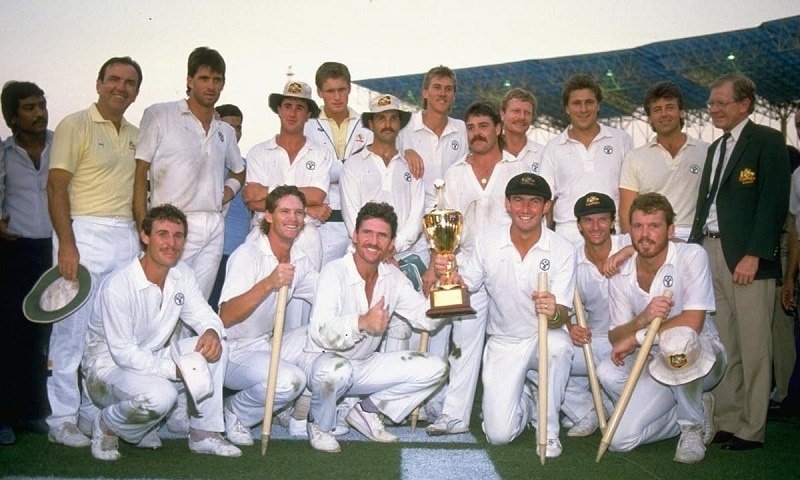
(741, 206)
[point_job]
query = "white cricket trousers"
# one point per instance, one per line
(203, 249)
(578, 400)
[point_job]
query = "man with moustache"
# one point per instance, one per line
(741, 205)
(475, 186)
(671, 164)
(26, 252)
(585, 157)
(518, 109)
(185, 149)
(89, 195)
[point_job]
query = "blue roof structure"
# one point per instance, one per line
(769, 54)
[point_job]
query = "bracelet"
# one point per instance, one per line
(556, 317)
(233, 184)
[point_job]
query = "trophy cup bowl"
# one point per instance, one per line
(443, 227)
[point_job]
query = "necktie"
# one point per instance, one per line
(723, 145)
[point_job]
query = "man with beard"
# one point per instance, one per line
(690, 359)
(671, 164)
(26, 252)
(185, 149)
(474, 186)
(258, 269)
(89, 195)
(518, 109)
(128, 369)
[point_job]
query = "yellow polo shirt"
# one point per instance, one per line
(339, 133)
(101, 162)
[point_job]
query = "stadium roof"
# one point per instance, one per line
(769, 54)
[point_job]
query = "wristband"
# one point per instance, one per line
(233, 184)
(556, 317)
(641, 333)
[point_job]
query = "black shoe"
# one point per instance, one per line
(38, 425)
(739, 444)
(722, 437)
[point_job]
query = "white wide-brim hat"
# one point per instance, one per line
(194, 369)
(294, 89)
(383, 103)
(53, 297)
(684, 356)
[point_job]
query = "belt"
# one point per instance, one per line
(336, 216)
(714, 235)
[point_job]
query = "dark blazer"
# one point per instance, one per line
(752, 200)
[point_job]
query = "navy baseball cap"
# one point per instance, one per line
(529, 184)
(594, 202)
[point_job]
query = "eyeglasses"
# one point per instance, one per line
(713, 104)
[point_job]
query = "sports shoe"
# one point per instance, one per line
(150, 440)
(342, 428)
(85, 425)
(235, 431)
(214, 444)
(7, 436)
(298, 428)
(445, 425)
(322, 441)
(690, 446)
(708, 417)
(68, 434)
(585, 426)
(369, 424)
(553, 448)
(104, 445)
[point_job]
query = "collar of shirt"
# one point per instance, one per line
(629, 267)
(351, 114)
(11, 141)
(416, 123)
(295, 254)
(505, 158)
(736, 131)
(94, 114)
(542, 244)
(604, 132)
(141, 282)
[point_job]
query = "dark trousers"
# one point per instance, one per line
(23, 344)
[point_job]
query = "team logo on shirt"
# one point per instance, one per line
(310, 165)
(179, 299)
(694, 168)
(535, 166)
(608, 149)
(407, 176)
(131, 146)
(221, 137)
(360, 138)
(454, 145)
(668, 280)
(747, 176)
(544, 265)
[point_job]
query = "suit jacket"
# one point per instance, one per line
(752, 200)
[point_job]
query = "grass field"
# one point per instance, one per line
(417, 457)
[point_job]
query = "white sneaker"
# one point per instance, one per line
(68, 434)
(104, 445)
(369, 424)
(322, 441)
(708, 417)
(150, 440)
(553, 448)
(214, 444)
(298, 428)
(445, 425)
(690, 446)
(235, 431)
(342, 428)
(585, 426)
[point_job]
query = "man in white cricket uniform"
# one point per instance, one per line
(585, 157)
(518, 109)
(185, 149)
(89, 195)
(670, 164)
(359, 294)
(507, 260)
(247, 308)
(289, 158)
(475, 186)
(668, 398)
(128, 369)
(595, 213)
(340, 130)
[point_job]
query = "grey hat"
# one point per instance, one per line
(294, 89)
(54, 298)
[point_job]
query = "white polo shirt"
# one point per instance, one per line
(186, 163)
(250, 263)
(572, 170)
(531, 154)
(651, 168)
(437, 153)
(133, 319)
(341, 298)
(594, 287)
(511, 280)
(481, 208)
(268, 164)
(686, 271)
(366, 178)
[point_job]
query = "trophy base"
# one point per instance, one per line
(449, 301)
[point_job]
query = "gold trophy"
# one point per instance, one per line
(442, 227)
